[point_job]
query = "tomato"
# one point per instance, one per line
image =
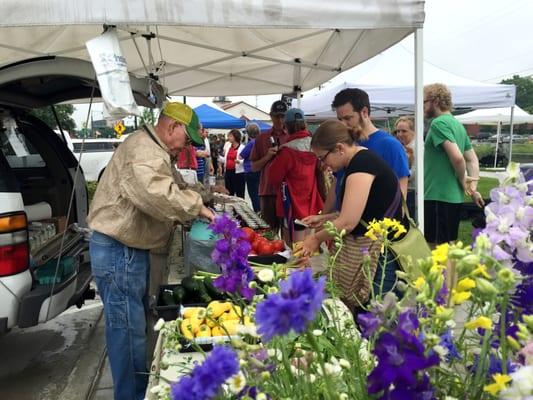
(265, 248)
(279, 245)
(257, 241)
(249, 234)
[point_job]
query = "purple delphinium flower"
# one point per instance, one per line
(294, 307)
(401, 362)
(446, 341)
(231, 254)
(206, 379)
(368, 323)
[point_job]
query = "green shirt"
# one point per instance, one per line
(440, 182)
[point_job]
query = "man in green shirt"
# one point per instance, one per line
(451, 167)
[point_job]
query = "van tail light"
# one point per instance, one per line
(14, 247)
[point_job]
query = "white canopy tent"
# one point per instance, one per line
(393, 94)
(498, 116)
(229, 47)
(207, 48)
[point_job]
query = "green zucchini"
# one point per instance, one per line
(179, 294)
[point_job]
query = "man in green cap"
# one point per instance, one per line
(133, 211)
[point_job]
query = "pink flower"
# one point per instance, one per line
(527, 353)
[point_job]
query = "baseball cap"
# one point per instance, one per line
(183, 113)
(294, 114)
(278, 107)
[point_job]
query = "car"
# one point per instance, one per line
(44, 262)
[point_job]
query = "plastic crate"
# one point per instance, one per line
(168, 313)
(46, 273)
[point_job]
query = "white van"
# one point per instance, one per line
(37, 180)
(96, 155)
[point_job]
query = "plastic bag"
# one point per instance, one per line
(112, 74)
(197, 256)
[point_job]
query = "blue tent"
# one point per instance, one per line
(210, 117)
(263, 126)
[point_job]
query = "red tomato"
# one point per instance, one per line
(249, 234)
(257, 240)
(279, 245)
(265, 248)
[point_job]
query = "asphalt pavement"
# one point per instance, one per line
(57, 360)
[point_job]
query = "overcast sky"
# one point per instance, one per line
(485, 40)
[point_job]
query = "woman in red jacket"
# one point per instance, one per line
(295, 171)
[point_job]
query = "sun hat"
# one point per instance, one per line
(184, 114)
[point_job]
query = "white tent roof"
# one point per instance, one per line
(389, 80)
(494, 116)
(205, 47)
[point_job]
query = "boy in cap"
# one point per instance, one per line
(133, 211)
(265, 149)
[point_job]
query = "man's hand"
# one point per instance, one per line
(478, 199)
(272, 151)
(470, 185)
(207, 213)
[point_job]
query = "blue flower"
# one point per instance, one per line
(368, 323)
(401, 363)
(294, 307)
(206, 379)
(446, 341)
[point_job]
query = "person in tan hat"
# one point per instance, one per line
(133, 211)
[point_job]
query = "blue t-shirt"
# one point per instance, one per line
(245, 154)
(200, 171)
(389, 149)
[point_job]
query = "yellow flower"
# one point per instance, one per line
(460, 297)
(480, 322)
(466, 284)
(437, 269)
(419, 282)
(370, 234)
(443, 313)
(500, 383)
(482, 270)
(440, 253)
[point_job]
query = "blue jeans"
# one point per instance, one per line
(252, 184)
(121, 274)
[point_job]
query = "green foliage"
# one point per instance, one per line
(147, 117)
(64, 114)
(524, 91)
(91, 188)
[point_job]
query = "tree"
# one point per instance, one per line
(524, 91)
(147, 117)
(64, 114)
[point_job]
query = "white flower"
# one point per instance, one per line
(237, 382)
(275, 353)
(521, 386)
(330, 369)
(249, 329)
(344, 363)
(265, 275)
(156, 389)
(312, 378)
(159, 324)
(272, 290)
(450, 398)
(343, 396)
(261, 396)
(317, 332)
(440, 350)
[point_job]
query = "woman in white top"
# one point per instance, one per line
(234, 178)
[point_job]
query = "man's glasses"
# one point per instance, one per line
(322, 158)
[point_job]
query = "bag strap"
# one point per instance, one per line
(287, 208)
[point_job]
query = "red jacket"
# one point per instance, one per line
(296, 165)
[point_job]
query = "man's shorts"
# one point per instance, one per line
(441, 221)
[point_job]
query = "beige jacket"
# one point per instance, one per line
(137, 201)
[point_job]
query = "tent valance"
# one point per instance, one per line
(210, 117)
(495, 116)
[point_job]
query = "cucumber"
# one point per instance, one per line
(204, 296)
(211, 289)
(190, 285)
(179, 294)
(167, 298)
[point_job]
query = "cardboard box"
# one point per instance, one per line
(59, 222)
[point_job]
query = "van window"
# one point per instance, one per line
(29, 158)
(94, 147)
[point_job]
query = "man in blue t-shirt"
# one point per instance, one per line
(353, 110)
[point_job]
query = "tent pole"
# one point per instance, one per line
(498, 133)
(419, 127)
(511, 134)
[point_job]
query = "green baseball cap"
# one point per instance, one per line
(184, 114)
